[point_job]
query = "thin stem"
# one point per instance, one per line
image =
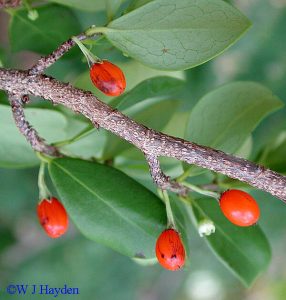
(92, 42)
(184, 175)
(85, 132)
(160, 179)
(201, 191)
(44, 192)
(43, 158)
(170, 216)
(46, 61)
(91, 58)
(27, 4)
(27, 130)
(231, 184)
(95, 30)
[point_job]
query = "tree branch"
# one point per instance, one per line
(150, 142)
(161, 179)
(50, 59)
(31, 134)
(26, 129)
(9, 3)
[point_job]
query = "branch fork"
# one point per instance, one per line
(19, 84)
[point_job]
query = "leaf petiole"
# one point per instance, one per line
(184, 175)
(44, 192)
(85, 132)
(201, 191)
(43, 158)
(170, 216)
(91, 31)
(90, 57)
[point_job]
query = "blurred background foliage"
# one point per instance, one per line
(28, 256)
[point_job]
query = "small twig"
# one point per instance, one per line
(44, 192)
(201, 191)
(26, 129)
(170, 217)
(161, 180)
(211, 187)
(31, 134)
(50, 59)
(10, 3)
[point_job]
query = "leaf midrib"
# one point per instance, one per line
(100, 198)
(111, 29)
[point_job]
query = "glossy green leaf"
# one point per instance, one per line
(146, 114)
(42, 35)
(149, 88)
(177, 34)
(137, 3)
(244, 250)
(224, 118)
(88, 5)
(2, 57)
(86, 146)
(108, 206)
(112, 7)
(6, 238)
(3, 98)
(275, 158)
(15, 152)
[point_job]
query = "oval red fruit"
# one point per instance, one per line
(239, 207)
(170, 250)
(108, 78)
(53, 217)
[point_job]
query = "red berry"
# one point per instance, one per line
(170, 250)
(53, 217)
(108, 78)
(239, 207)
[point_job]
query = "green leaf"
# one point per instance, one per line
(112, 7)
(2, 57)
(88, 147)
(245, 149)
(275, 159)
(178, 34)
(3, 98)
(6, 238)
(244, 250)
(149, 88)
(88, 5)
(137, 3)
(224, 118)
(146, 114)
(54, 25)
(15, 152)
(108, 206)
